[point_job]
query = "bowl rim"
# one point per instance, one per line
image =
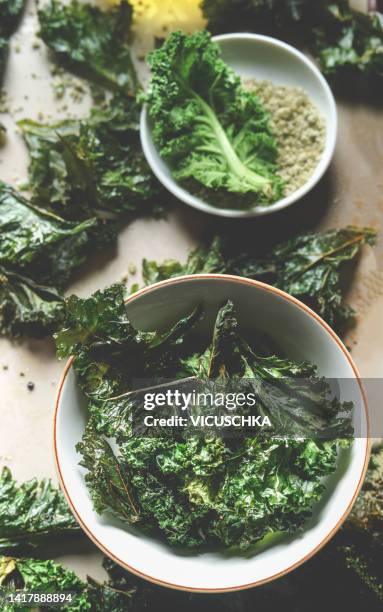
(331, 533)
(257, 211)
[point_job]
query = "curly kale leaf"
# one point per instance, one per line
(32, 513)
(309, 267)
(207, 127)
(92, 42)
(80, 168)
(10, 15)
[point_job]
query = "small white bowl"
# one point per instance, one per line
(263, 58)
(301, 334)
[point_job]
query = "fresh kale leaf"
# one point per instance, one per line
(82, 168)
(207, 127)
(91, 41)
(197, 490)
(308, 267)
(32, 513)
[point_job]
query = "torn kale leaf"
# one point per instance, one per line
(91, 41)
(32, 513)
(193, 490)
(309, 267)
(82, 168)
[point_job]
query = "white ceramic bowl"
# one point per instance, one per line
(260, 57)
(302, 335)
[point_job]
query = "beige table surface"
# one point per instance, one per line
(352, 192)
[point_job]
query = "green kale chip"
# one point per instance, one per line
(27, 308)
(42, 245)
(82, 168)
(38, 253)
(349, 565)
(309, 267)
(210, 130)
(206, 490)
(346, 42)
(92, 42)
(32, 513)
(45, 576)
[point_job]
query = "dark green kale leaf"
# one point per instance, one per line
(201, 260)
(10, 15)
(345, 41)
(210, 130)
(41, 245)
(32, 513)
(38, 253)
(46, 576)
(110, 354)
(92, 42)
(82, 168)
(309, 267)
(349, 42)
(107, 480)
(27, 308)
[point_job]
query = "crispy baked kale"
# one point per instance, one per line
(38, 253)
(82, 168)
(10, 15)
(341, 565)
(92, 42)
(32, 514)
(45, 576)
(210, 130)
(197, 490)
(345, 41)
(308, 267)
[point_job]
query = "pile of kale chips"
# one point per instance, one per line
(350, 564)
(198, 490)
